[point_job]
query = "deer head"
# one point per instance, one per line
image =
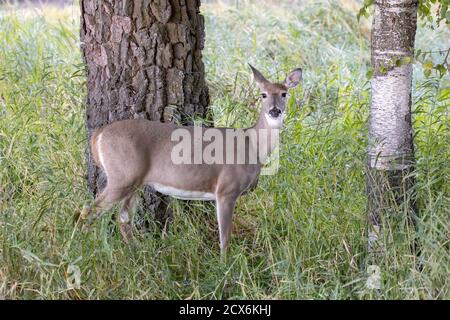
(274, 95)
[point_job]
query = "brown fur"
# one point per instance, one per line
(138, 152)
(275, 88)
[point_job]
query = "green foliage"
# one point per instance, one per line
(365, 9)
(433, 62)
(431, 11)
(434, 11)
(300, 234)
(432, 14)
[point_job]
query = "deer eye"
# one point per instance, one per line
(264, 95)
(283, 94)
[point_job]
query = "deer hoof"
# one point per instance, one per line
(85, 228)
(85, 212)
(126, 232)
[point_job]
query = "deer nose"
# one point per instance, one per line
(274, 112)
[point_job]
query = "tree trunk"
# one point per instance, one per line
(143, 60)
(390, 150)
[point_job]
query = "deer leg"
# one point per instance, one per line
(103, 202)
(87, 210)
(124, 219)
(225, 207)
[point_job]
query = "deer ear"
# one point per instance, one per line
(259, 78)
(293, 78)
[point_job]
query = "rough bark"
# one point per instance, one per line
(144, 60)
(390, 150)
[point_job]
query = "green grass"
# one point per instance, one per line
(300, 234)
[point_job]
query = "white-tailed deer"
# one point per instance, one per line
(133, 153)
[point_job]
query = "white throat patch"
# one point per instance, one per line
(275, 123)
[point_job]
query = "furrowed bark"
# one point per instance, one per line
(143, 60)
(390, 151)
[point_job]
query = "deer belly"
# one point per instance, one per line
(183, 194)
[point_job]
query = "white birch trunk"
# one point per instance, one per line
(390, 150)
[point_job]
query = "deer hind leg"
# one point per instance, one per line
(124, 219)
(225, 208)
(103, 202)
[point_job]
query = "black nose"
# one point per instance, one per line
(274, 112)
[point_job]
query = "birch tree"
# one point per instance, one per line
(390, 150)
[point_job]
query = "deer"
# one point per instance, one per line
(137, 152)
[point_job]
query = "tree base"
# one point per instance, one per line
(392, 206)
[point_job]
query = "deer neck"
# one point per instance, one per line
(267, 133)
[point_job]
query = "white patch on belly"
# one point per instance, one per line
(183, 194)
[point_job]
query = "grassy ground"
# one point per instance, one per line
(301, 234)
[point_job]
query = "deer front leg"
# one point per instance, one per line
(225, 207)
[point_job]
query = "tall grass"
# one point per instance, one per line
(300, 234)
